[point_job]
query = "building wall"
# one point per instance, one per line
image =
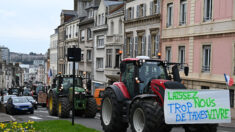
(53, 53)
(217, 32)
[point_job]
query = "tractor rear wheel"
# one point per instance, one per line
(111, 114)
(52, 104)
(201, 128)
(63, 107)
(91, 108)
(147, 116)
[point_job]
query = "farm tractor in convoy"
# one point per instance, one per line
(139, 97)
(60, 98)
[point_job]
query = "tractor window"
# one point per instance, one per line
(128, 78)
(68, 82)
(149, 71)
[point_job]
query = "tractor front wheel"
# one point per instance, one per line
(63, 107)
(91, 108)
(52, 104)
(111, 115)
(147, 116)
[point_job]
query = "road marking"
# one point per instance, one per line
(13, 119)
(53, 117)
(42, 111)
(35, 117)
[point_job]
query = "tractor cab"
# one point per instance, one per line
(138, 73)
(63, 83)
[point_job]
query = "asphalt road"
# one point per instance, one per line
(41, 114)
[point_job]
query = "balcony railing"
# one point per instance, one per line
(114, 39)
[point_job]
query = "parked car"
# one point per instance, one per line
(19, 104)
(4, 100)
(32, 100)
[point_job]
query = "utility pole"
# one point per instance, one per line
(74, 55)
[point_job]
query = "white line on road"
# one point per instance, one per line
(35, 117)
(53, 117)
(41, 111)
(13, 119)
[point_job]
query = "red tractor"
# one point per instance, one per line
(139, 96)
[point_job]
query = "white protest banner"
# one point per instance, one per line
(197, 106)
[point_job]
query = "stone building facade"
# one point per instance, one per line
(100, 32)
(142, 28)
(201, 33)
(53, 52)
(114, 43)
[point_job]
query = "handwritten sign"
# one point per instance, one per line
(197, 106)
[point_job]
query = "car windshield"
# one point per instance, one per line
(20, 100)
(5, 98)
(68, 82)
(151, 70)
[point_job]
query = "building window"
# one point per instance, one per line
(141, 10)
(128, 42)
(100, 42)
(154, 44)
(120, 26)
(183, 12)
(130, 13)
(207, 10)
(169, 14)
(181, 56)
(117, 59)
(231, 92)
(103, 19)
(109, 58)
(155, 7)
(82, 35)
(90, 13)
(89, 34)
(112, 28)
(99, 64)
(89, 55)
(206, 58)
(140, 45)
(168, 54)
(82, 57)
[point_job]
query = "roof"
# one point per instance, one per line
(111, 3)
(69, 12)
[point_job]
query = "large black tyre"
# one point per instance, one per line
(201, 128)
(52, 104)
(91, 108)
(147, 116)
(64, 107)
(111, 115)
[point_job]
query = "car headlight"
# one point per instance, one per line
(76, 92)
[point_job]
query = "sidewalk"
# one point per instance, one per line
(5, 118)
(232, 124)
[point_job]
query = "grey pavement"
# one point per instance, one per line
(6, 118)
(41, 114)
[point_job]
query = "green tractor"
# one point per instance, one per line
(60, 98)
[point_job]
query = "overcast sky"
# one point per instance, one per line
(26, 25)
